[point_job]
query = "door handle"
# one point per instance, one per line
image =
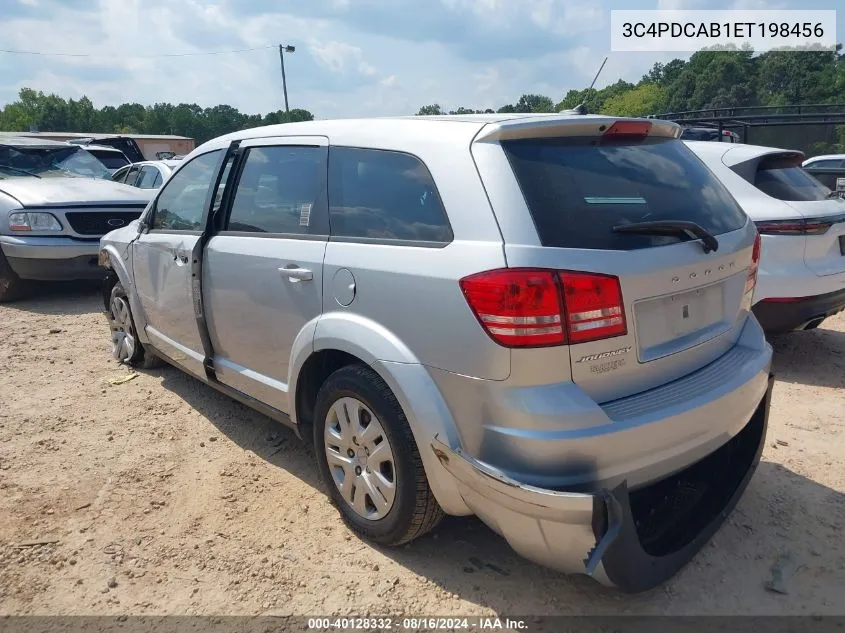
(296, 274)
(180, 256)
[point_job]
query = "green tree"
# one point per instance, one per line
(430, 110)
(645, 99)
(534, 103)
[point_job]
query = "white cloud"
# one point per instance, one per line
(353, 57)
(340, 57)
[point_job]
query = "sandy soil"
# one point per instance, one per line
(160, 496)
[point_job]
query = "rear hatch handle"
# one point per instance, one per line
(678, 228)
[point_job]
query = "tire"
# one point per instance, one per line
(414, 510)
(122, 325)
(11, 286)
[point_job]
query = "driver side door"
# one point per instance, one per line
(162, 259)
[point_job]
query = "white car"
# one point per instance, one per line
(825, 160)
(149, 174)
(802, 223)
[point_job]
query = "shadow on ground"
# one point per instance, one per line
(815, 357)
(59, 297)
(780, 511)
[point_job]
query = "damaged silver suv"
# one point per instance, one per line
(542, 320)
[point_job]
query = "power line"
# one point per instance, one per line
(48, 54)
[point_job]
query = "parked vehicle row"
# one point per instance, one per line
(802, 223)
(56, 201)
(541, 320)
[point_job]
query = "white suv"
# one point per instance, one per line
(802, 224)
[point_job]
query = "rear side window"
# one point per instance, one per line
(112, 160)
(578, 190)
(783, 178)
(278, 190)
(378, 194)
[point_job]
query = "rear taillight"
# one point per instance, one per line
(751, 282)
(521, 307)
(811, 226)
(594, 307)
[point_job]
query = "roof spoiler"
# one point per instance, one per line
(546, 126)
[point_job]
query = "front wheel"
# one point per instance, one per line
(125, 344)
(11, 286)
(369, 460)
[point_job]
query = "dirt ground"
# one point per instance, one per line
(161, 496)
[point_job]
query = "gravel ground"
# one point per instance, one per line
(161, 496)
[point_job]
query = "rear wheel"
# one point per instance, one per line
(125, 344)
(11, 286)
(369, 460)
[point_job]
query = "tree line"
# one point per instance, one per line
(716, 79)
(709, 79)
(35, 111)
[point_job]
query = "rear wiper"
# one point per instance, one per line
(19, 171)
(678, 228)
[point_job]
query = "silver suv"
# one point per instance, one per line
(540, 320)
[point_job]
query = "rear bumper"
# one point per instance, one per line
(556, 437)
(612, 534)
(787, 316)
(52, 258)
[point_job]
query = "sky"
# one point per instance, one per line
(353, 57)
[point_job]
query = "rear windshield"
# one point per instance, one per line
(578, 190)
(784, 179)
(112, 160)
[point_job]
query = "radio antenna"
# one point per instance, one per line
(598, 73)
(581, 108)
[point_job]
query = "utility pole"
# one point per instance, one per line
(283, 48)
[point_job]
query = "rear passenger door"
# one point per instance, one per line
(263, 270)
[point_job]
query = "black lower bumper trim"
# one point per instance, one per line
(662, 526)
(778, 317)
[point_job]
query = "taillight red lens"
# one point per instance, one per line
(751, 282)
(525, 307)
(594, 308)
(811, 226)
(517, 307)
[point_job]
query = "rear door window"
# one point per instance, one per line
(384, 195)
(280, 190)
(578, 190)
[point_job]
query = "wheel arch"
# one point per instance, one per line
(344, 339)
(116, 267)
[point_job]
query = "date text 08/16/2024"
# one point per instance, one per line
(416, 623)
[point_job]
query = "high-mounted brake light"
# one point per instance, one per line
(628, 128)
(520, 307)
